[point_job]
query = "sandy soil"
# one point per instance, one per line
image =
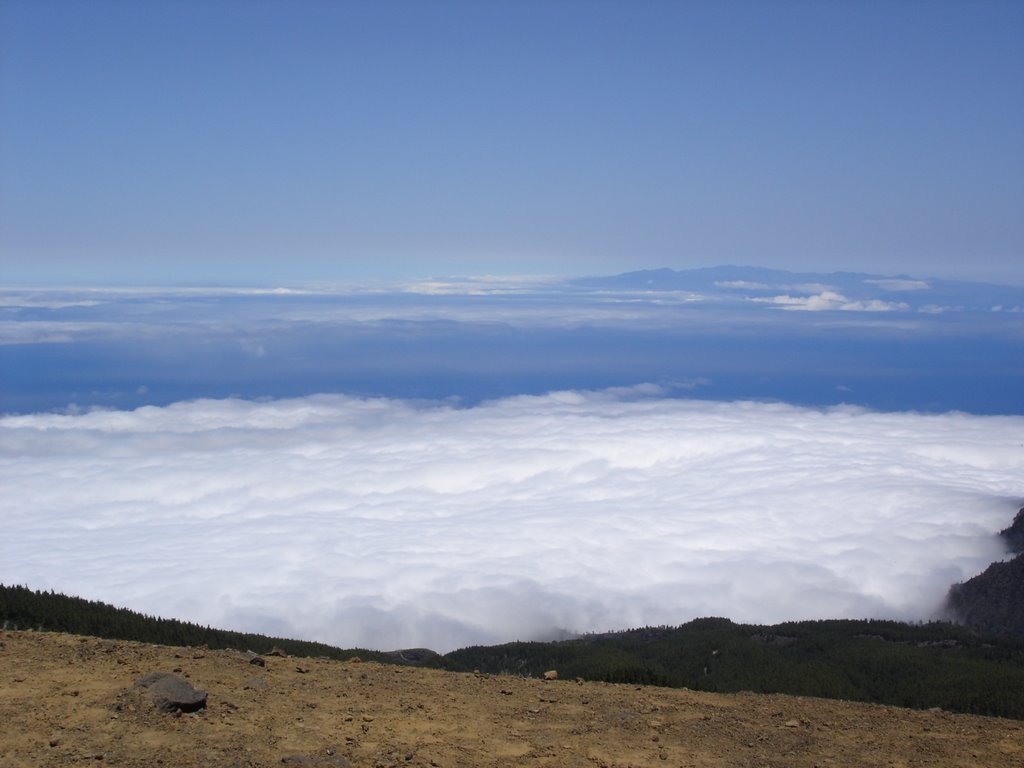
(63, 702)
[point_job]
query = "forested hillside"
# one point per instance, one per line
(922, 666)
(993, 601)
(23, 608)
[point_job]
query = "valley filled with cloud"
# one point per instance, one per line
(395, 523)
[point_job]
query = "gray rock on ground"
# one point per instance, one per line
(169, 693)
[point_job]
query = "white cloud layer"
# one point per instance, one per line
(828, 300)
(395, 524)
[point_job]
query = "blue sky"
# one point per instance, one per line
(230, 142)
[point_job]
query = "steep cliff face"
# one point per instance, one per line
(994, 599)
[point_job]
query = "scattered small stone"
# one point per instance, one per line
(54, 742)
(258, 661)
(551, 674)
(792, 723)
(275, 651)
(301, 670)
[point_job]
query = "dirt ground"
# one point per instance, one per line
(63, 702)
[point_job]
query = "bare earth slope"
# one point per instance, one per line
(62, 702)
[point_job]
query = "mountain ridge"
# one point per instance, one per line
(993, 601)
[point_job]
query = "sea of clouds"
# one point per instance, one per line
(394, 523)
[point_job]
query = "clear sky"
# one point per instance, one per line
(288, 141)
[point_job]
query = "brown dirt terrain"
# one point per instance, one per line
(63, 702)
